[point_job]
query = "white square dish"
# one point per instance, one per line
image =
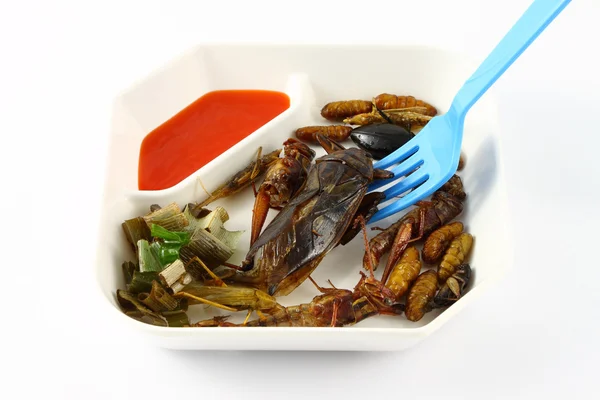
(311, 75)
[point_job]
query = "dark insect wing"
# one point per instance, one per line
(312, 223)
(324, 221)
(283, 222)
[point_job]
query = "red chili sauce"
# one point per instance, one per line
(202, 131)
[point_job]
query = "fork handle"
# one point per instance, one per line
(537, 17)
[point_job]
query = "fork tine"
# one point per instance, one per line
(414, 179)
(406, 201)
(408, 165)
(399, 155)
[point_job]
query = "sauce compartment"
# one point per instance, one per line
(202, 131)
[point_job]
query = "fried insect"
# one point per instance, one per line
(239, 298)
(339, 133)
(454, 287)
(408, 118)
(405, 272)
(455, 187)
(386, 101)
(338, 110)
(442, 208)
(438, 241)
(242, 179)
(420, 296)
(283, 180)
(455, 255)
(374, 290)
(402, 239)
(313, 222)
(333, 307)
(380, 140)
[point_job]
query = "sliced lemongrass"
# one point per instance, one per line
(201, 300)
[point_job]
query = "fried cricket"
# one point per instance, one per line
(283, 180)
(242, 179)
(442, 208)
(333, 307)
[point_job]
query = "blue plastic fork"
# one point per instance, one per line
(431, 158)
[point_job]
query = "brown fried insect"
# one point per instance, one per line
(420, 296)
(339, 133)
(442, 208)
(335, 307)
(455, 187)
(288, 250)
(454, 287)
(373, 289)
(438, 241)
(455, 255)
(403, 238)
(242, 179)
(283, 180)
(236, 297)
(338, 110)
(408, 118)
(386, 101)
(405, 272)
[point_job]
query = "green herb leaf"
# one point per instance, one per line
(169, 237)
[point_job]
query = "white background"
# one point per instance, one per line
(535, 334)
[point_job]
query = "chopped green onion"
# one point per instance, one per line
(180, 238)
(175, 277)
(164, 254)
(176, 318)
(141, 282)
(158, 299)
(127, 300)
(169, 217)
(167, 250)
(136, 229)
(128, 269)
(147, 257)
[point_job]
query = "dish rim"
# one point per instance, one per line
(415, 332)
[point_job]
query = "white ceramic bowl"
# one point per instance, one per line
(312, 76)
